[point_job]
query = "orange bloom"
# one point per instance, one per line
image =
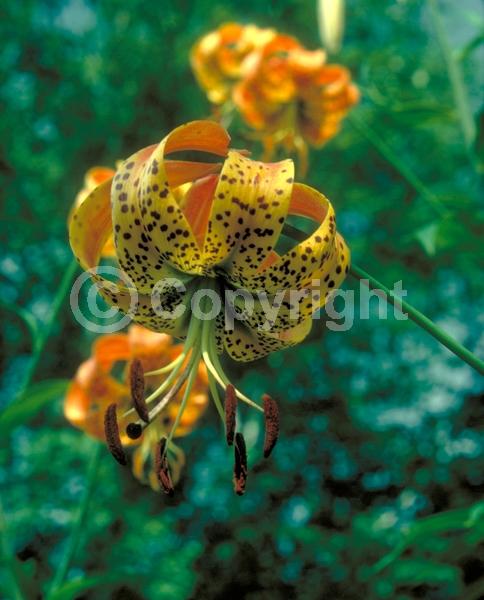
(218, 58)
(104, 379)
(287, 93)
(292, 97)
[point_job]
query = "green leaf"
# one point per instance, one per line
(31, 402)
(72, 589)
(419, 571)
(427, 236)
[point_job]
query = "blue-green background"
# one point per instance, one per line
(382, 429)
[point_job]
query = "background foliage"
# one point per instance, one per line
(374, 488)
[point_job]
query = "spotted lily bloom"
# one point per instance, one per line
(213, 228)
(96, 386)
(218, 58)
(291, 96)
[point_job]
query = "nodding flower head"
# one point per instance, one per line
(106, 380)
(198, 244)
(289, 95)
(218, 58)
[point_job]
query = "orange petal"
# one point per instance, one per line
(108, 349)
(183, 171)
(198, 205)
(91, 226)
(204, 136)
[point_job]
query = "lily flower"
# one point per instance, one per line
(215, 229)
(105, 379)
(218, 58)
(291, 96)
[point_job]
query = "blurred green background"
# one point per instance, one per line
(375, 488)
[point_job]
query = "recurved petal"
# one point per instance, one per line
(166, 311)
(245, 344)
(109, 348)
(91, 226)
(298, 266)
(88, 396)
(250, 205)
(163, 223)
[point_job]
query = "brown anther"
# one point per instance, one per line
(240, 464)
(271, 415)
(137, 381)
(162, 469)
(134, 431)
(230, 413)
(111, 431)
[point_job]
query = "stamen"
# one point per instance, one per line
(173, 391)
(271, 414)
(174, 363)
(230, 413)
(137, 381)
(134, 431)
(210, 358)
(111, 432)
(240, 464)
(162, 469)
(212, 384)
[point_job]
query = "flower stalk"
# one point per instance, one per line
(417, 317)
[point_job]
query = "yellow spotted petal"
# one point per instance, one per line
(89, 228)
(249, 207)
(146, 212)
(298, 266)
(245, 344)
(286, 310)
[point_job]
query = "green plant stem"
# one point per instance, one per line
(417, 317)
(79, 520)
(454, 520)
(15, 589)
(392, 157)
(46, 330)
(26, 318)
(456, 80)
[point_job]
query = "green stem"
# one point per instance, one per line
(45, 332)
(14, 586)
(456, 80)
(393, 158)
(26, 317)
(417, 317)
(79, 520)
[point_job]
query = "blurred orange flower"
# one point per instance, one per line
(287, 93)
(104, 379)
(218, 58)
